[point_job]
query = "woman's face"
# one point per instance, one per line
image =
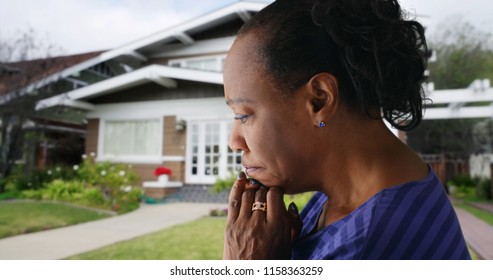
(276, 134)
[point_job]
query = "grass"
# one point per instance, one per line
(481, 214)
(299, 199)
(25, 217)
(198, 240)
(473, 254)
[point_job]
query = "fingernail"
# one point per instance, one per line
(241, 175)
(254, 182)
(293, 208)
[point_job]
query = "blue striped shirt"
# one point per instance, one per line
(414, 220)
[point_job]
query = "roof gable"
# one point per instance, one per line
(185, 32)
(18, 74)
(138, 51)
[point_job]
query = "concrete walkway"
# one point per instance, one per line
(478, 234)
(68, 241)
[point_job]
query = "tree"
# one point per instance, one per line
(20, 88)
(464, 53)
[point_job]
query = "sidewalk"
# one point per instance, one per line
(478, 234)
(68, 241)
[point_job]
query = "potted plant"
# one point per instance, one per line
(162, 173)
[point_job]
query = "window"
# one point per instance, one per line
(132, 138)
(209, 156)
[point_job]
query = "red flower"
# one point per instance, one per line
(162, 171)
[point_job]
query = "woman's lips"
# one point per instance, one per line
(251, 170)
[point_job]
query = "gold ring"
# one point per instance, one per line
(262, 206)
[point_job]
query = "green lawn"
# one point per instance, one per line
(198, 240)
(24, 217)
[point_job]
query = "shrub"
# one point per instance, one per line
(484, 188)
(31, 194)
(90, 183)
(37, 179)
(218, 212)
(224, 184)
(9, 195)
(462, 180)
(63, 190)
(108, 177)
(127, 201)
(92, 197)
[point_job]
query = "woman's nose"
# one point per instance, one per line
(237, 140)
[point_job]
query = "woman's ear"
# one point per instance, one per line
(322, 97)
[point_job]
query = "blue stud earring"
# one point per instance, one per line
(321, 124)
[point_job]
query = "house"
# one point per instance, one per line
(17, 81)
(159, 100)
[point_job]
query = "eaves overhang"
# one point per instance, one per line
(163, 75)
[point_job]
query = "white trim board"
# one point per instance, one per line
(186, 109)
(204, 47)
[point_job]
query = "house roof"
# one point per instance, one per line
(18, 74)
(162, 75)
(143, 48)
(184, 32)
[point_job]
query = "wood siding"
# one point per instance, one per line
(152, 92)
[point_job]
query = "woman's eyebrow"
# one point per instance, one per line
(232, 101)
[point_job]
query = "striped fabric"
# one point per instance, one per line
(414, 220)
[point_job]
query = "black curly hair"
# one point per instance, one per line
(378, 57)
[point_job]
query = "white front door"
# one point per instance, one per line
(208, 154)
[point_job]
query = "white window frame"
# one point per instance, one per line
(200, 178)
(182, 62)
(140, 159)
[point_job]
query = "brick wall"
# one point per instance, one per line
(92, 136)
(174, 144)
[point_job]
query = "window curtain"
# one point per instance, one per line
(132, 138)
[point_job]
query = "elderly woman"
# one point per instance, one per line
(310, 84)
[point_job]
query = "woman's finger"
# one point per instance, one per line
(247, 198)
(260, 200)
(235, 197)
(296, 222)
(275, 203)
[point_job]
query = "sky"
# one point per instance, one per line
(77, 26)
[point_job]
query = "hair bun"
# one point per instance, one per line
(382, 52)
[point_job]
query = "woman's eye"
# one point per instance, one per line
(242, 118)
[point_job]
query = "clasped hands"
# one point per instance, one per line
(258, 225)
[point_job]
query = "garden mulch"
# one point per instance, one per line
(483, 206)
(73, 240)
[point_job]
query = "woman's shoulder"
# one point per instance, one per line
(415, 220)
